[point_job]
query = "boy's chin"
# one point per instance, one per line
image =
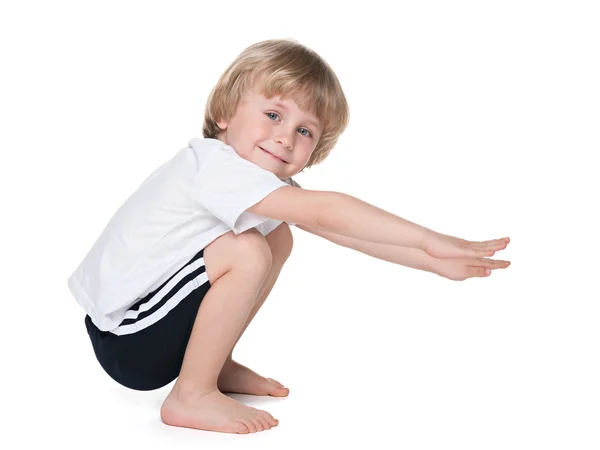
(282, 175)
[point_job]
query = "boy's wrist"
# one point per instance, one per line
(430, 264)
(426, 237)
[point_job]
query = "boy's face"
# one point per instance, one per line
(261, 126)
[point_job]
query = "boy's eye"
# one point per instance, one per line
(307, 135)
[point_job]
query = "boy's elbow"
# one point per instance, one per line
(320, 217)
(327, 213)
(313, 208)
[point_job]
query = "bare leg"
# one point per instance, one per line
(235, 377)
(280, 242)
(237, 267)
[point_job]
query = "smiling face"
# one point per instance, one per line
(274, 134)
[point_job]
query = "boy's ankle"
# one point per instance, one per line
(188, 389)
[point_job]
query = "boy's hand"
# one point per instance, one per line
(460, 269)
(444, 246)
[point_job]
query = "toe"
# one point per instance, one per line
(258, 424)
(263, 417)
(281, 392)
(268, 418)
(276, 389)
(250, 425)
(276, 382)
(241, 428)
(264, 422)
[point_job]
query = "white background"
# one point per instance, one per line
(476, 119)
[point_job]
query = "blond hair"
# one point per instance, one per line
(290, 70)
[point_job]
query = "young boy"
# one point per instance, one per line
(186, 262)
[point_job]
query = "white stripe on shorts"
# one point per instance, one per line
(194, 283)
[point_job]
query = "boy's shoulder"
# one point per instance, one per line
(208, 144)
(209, 147)
(205, 147)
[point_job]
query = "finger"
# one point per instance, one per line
(490, 266)
(493, 263)
(502, 243)
(479, 271)
(500, 264)
(482, 243)
(495, 244)
(479, 252)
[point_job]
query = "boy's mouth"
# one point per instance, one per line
(285, 162)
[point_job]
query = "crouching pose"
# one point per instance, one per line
(187, 261)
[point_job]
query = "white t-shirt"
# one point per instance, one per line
(195, 197)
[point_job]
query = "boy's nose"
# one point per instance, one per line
(286, 139)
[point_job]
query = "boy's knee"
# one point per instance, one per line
(281, 242)
(248, 250)
(253, 249)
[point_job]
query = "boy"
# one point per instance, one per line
(188, 260)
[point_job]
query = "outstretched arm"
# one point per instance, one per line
(456, 269)
(341, 214)
(404, 256)
(349, 216)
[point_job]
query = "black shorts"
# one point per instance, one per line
(146, 351)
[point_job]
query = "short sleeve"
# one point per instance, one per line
(227, 185)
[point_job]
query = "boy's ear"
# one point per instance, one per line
(222, 124)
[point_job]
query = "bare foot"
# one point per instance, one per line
(212, 411)
(236, 378)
